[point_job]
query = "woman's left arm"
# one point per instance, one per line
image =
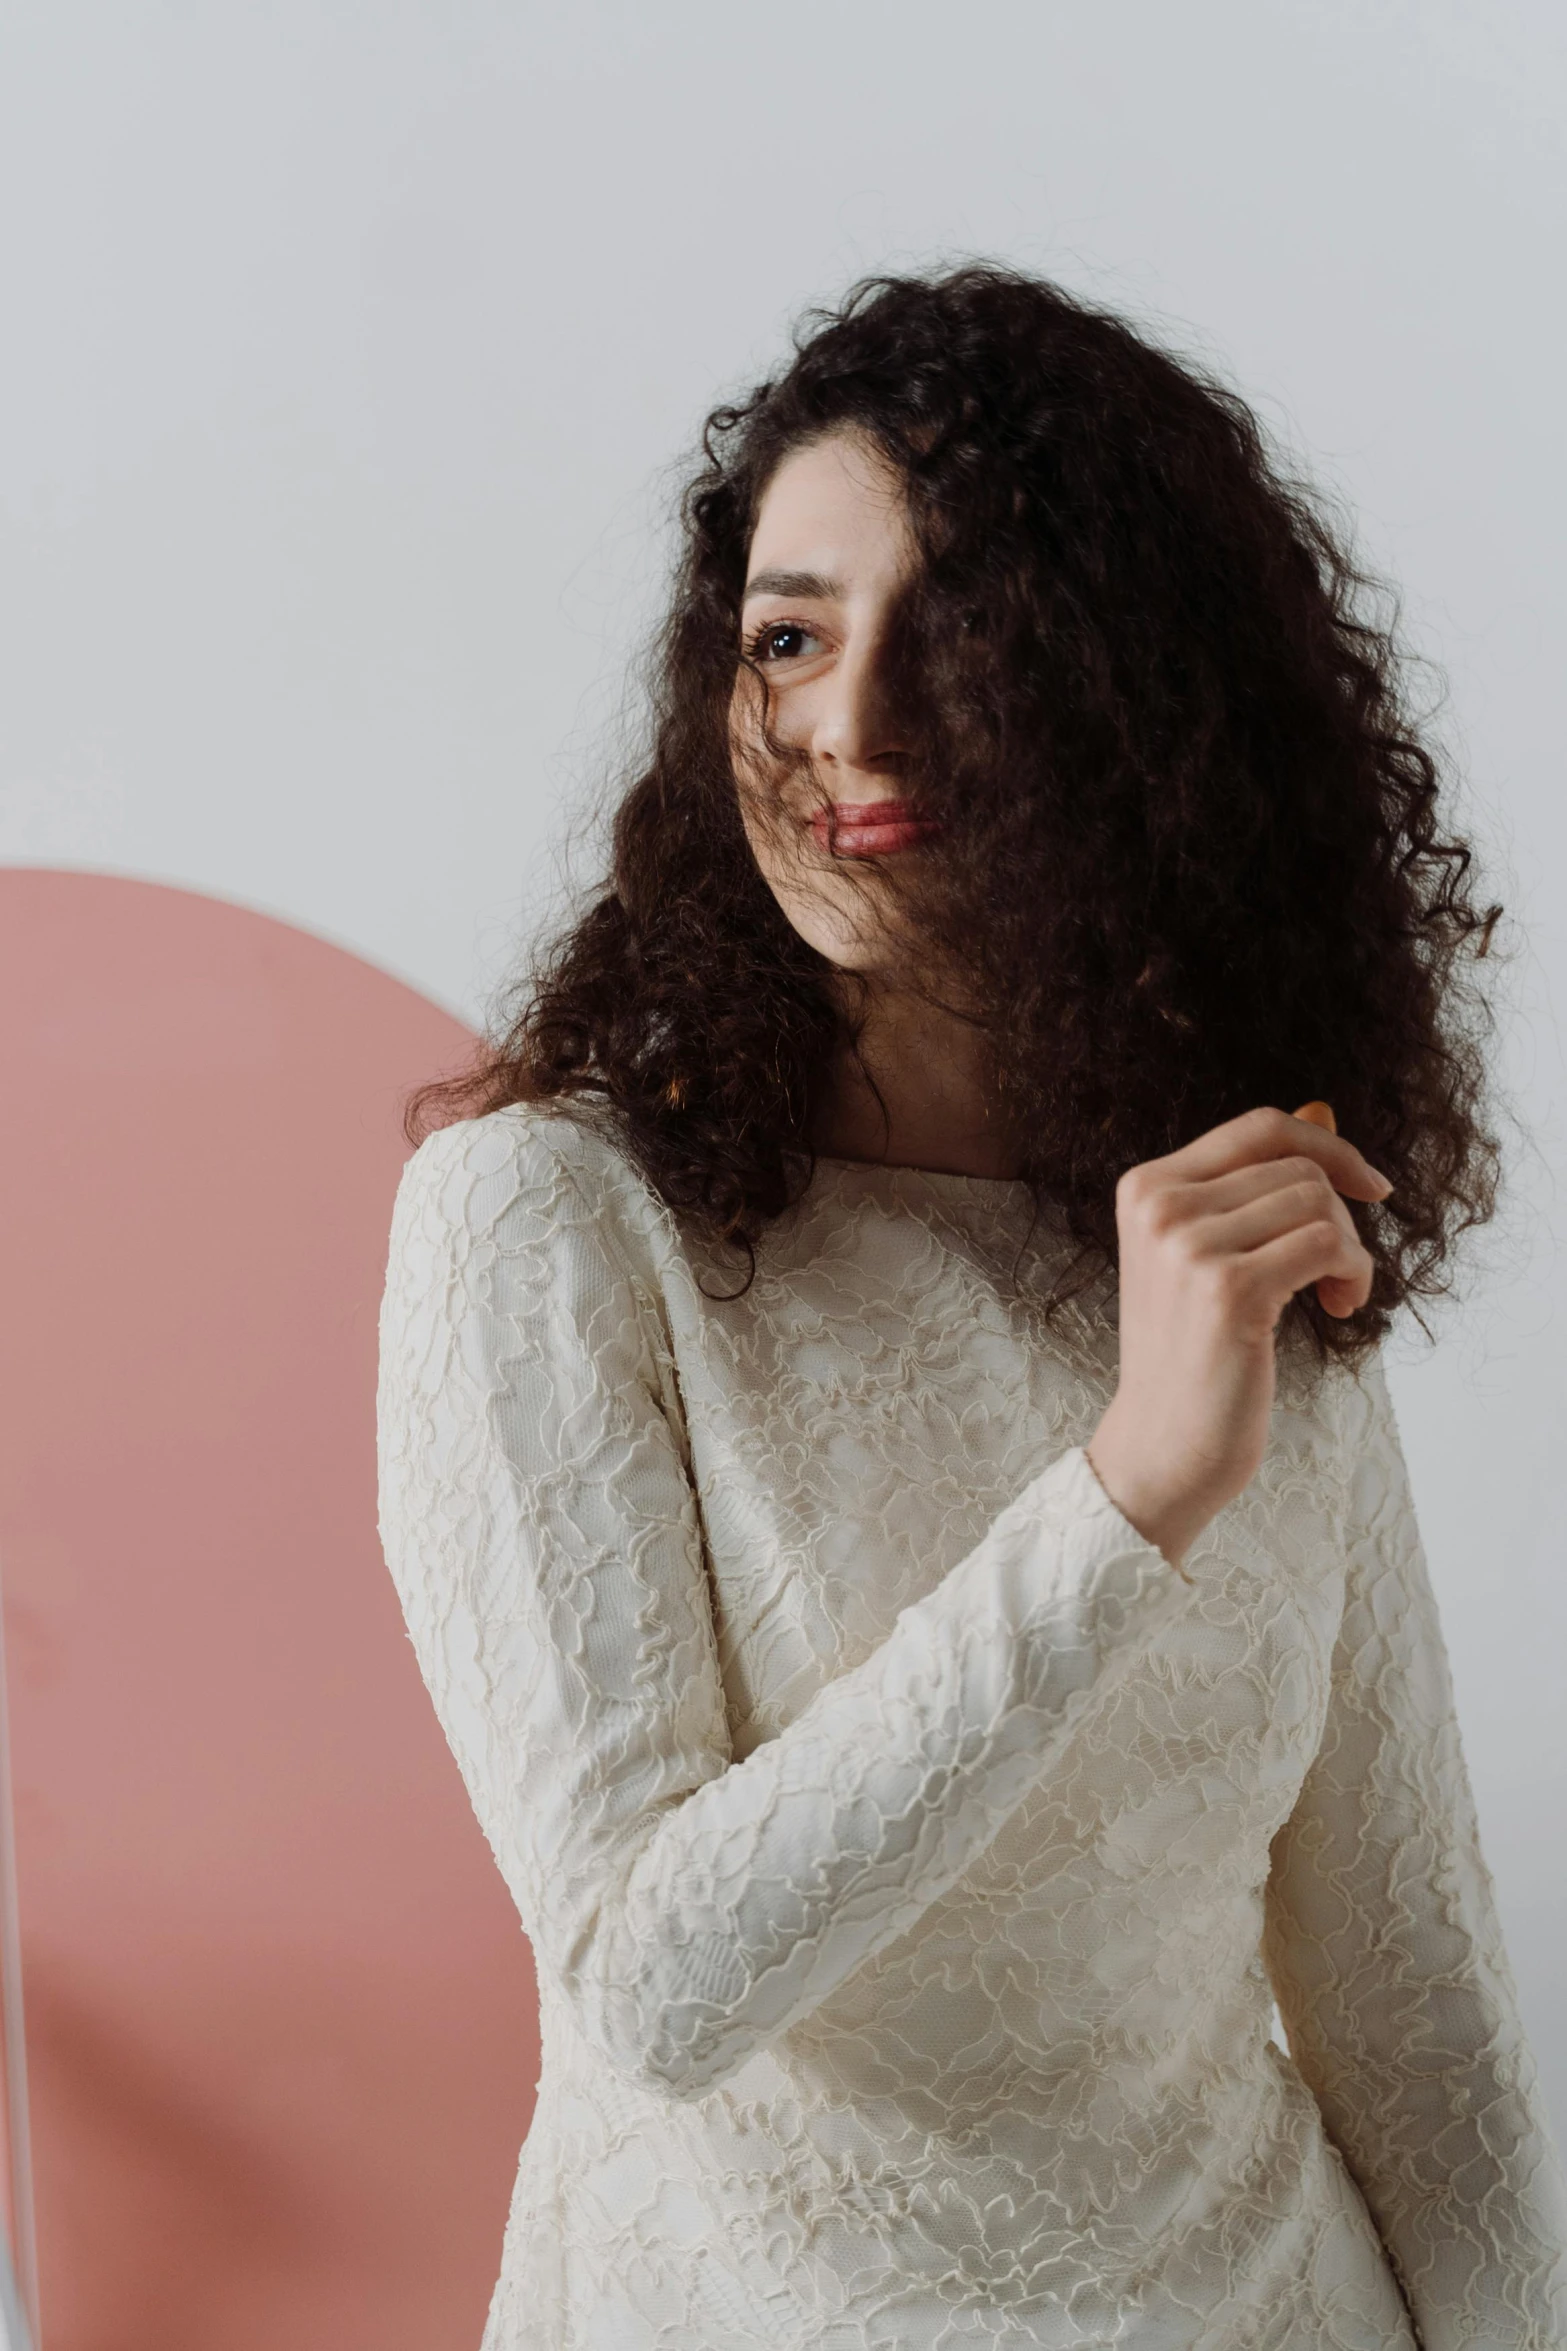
(1387, 1958)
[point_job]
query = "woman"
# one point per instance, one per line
(885, 1452)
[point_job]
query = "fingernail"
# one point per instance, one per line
(1385, 1181)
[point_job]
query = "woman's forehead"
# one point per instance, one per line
(833, 513)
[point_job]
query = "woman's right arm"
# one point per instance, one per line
(539, 1521)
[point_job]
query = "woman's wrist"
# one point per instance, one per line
(1161, 1520)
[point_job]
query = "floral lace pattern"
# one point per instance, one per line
(911, 1858)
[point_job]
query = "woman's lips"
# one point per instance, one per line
(870, 828)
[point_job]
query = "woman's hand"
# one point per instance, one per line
(1215, 1239)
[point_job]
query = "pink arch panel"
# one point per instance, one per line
(281, 2020)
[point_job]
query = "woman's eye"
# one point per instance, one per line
(780, 640)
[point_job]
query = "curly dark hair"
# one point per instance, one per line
(1196, 859)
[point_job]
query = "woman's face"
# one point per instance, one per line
(831, 550)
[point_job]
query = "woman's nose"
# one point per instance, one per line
(853, 724)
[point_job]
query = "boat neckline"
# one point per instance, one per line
(925, 1175)
(831, 1159)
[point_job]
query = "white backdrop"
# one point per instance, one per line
(349, 350)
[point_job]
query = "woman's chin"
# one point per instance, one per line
(858, 959)
(848, 937)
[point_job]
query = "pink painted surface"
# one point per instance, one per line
(281, 2019)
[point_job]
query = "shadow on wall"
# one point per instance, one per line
(281, 2020)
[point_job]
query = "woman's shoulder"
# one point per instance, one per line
(558, 1159)
(1335, 1407)
(1340, 1412)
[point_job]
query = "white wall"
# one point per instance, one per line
(347, 347)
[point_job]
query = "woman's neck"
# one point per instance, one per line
(936, 1109)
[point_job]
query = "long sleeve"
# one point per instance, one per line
(1387, 1957)
(540, 1521)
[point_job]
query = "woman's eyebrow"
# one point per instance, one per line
(793, 583)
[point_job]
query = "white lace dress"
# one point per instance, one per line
(910, 1857)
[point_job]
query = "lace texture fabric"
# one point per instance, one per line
(911, 1858)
